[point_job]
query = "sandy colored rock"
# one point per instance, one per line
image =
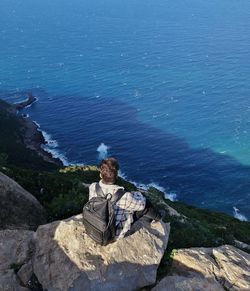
(67, 259)
(221, 268)
(19, 209)
(181, 283)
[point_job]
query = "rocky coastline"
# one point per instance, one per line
(21, 105)
(32, 136)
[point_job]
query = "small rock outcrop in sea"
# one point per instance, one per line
(67, 259)
(208, 269)
(19, 209)
(21, 105)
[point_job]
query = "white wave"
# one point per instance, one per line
(239, 215)
(157, 186)
(171, 196)
(38, 125)
(50, 147)
(137, 184)
(167, 195)
(51, 143)
(122, 175)
(55, 154)
(103, 151)
(35, 100)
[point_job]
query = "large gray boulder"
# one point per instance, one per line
(67, 259)
(208, 269)
(19, 209)
(16, 249)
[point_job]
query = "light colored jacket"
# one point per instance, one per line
(124, 208)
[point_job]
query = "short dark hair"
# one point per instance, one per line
(109, 170)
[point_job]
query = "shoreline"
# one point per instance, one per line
(33, 136)
(29, 101)
(39, 141)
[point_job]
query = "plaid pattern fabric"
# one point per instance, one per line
(125, 207)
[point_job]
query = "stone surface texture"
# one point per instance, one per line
(221, 268)
(19, 209)
(9, 281)
(67, 259)
(25, 273)
(16, 249)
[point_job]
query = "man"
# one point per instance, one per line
(131, 206)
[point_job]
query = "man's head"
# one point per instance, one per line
(109, 170)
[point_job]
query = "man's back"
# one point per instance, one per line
(124, 208)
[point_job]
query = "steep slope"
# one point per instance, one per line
(19, 209)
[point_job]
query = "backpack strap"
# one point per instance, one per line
(98, 190)
(114, 198)
(117, 195)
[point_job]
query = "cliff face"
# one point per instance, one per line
(63, 257)
(21, 142)
(19, 209)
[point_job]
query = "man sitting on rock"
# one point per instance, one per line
(130, 207)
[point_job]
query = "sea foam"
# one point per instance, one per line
(167, 195)
(51, 147)
(239, 215)
(103, 151)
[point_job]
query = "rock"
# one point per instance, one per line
(25, 273)
(9, 281)
(221, 268)
(19, 209)
(15, 250)
(67, 259)
(242, 245)
(182, 283)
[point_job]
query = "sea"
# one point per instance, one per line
(162, 85)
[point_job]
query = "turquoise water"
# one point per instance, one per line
(165, 85)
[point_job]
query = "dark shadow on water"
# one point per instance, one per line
(198, 176)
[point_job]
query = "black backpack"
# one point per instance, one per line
(99, 216)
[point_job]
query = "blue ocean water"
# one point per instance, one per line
(164, 85)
